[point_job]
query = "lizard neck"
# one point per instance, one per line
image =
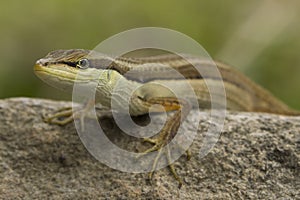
(116, 91)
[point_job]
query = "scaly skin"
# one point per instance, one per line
(142, 78)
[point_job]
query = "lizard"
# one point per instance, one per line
(60, 68)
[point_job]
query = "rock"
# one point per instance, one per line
(256, 157)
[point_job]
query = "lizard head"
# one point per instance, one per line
(63, 68)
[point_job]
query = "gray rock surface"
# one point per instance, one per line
(257, 157)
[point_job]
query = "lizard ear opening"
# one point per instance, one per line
(83, 63)
(108, 75)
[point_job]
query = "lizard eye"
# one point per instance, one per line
(83, 63)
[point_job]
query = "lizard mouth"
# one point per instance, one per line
(57, 70)
(64, 77)
(64, 72)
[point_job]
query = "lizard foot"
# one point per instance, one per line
(66, 115)
(158, 145)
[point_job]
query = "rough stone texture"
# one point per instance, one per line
(256, 157)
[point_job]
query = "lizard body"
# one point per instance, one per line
(144, 79)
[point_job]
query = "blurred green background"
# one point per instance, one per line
(260, 37)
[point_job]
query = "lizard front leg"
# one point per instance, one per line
(181, 108)
(66, 115)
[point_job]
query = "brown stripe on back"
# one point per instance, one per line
(164, 67)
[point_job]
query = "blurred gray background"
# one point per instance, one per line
(261, 38)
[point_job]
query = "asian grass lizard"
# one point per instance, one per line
(60, 69)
